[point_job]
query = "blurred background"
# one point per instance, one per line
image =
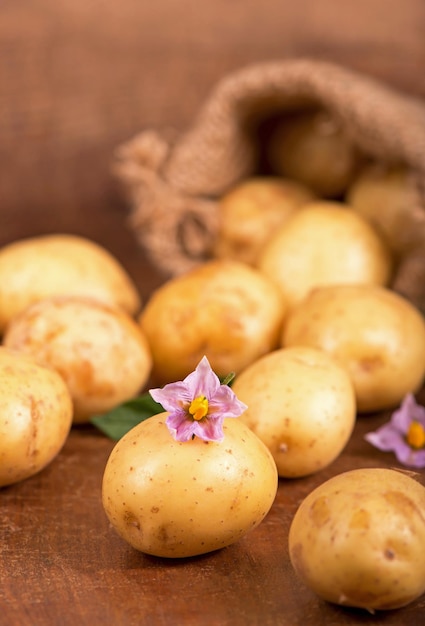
(79, 77)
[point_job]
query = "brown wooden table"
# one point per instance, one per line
(62, 563)
(76, 79)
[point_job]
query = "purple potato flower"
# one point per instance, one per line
(198, 405)
(404, 434)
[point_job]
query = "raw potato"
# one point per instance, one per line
(359, 539)
(39, 267)
(250, 213)
(224, 310)
(326, 243)
(35, 416)
(301, 404)
(312, 148)
(174, 499)
(100, 351)
(376, 334)
(383, 196)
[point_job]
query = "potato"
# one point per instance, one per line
(35, 416)
(39, 267)
(301, 404)
(178, 499)
(325, 243)
(100, 351)
(224, 310)
(250, 213)
(311, 147)
(359, 539)
(376, 334)
(384, 196)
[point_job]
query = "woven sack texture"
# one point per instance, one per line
(173, 181)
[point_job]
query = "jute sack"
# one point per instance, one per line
(173, 181)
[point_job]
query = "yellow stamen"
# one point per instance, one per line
(416, 435)
(198, 407)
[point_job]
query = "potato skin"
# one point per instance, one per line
(174, 499)
(100, 351)
(224, 310)
(376, 334)
(250, 213)
(301, 404)
(61, 264)
(383, 196)
(326, 243)
(359, 539)
(35, 416)
(312, 148)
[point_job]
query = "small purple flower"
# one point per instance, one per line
(404, 434)
(198, 405)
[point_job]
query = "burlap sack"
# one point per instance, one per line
(173, 181)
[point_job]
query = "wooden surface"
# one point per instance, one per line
(76, 79)
(62, 564)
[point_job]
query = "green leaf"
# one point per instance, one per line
(227, 380)
(117, 422)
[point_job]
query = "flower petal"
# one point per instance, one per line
(385, 439)
(417, 411)
(203, 381)
(180, 427)
(405, 454)
(402, 417)
(392, 436)
(177, 397)
(172, 396)
(417, 459)
(226, 403)
(388, 439)
(408, 412)
(210, 429)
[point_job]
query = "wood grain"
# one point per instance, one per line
(77, 78)
(63, 564)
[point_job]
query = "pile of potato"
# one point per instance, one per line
(296, 302)
(332, 236)
(326, 228)
(301, 272)
(71, 347)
